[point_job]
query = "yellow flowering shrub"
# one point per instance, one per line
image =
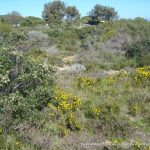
(72, 122)
(110, 80)
(142, 74)
(85, 82)
(117, 77)
(62, 131)
(96, 112)
(66, 105)
(64, 101)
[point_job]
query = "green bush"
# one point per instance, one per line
(5, 28)
(69, 40)
(55, 33)
(32, 21)
(25, 85)
(9, 142)
(84, 32)
(140, 51)
(15, 37)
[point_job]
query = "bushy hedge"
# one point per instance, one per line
(25, 85)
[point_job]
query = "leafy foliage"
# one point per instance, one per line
(5, 29)
(101, 12)
(141, 51)
(72, 13)
(54, 12)
(25, 85)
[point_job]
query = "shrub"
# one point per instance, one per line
(69, 40)
(38, 38)
(55, 33)
(25, 85)
(5, 28)
(9, 142)
(140, 50)
(15, 38)
(84, 32)
(65, 102)
(32, 21)
(65, 107)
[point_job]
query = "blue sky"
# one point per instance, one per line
(125, 8)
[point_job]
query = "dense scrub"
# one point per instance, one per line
(69, 85)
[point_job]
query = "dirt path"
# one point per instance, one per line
(70, 59)
(66, 60)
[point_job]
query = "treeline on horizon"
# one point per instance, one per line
(56, 12)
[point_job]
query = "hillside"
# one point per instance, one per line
(22, 21)
(71, 86)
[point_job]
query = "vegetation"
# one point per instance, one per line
(54, 12)
(52, 16)
(140, 50)
(101, 12)
(13, 18)
(72, 13)
(74, 85)
(31, 21)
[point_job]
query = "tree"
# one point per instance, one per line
(54, 12)
(101, 12)
(72, 13)
(14, 17)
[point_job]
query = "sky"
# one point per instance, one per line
(125, 8)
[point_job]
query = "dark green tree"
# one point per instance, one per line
(101, 12)
(54, 12)
(72, 13)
